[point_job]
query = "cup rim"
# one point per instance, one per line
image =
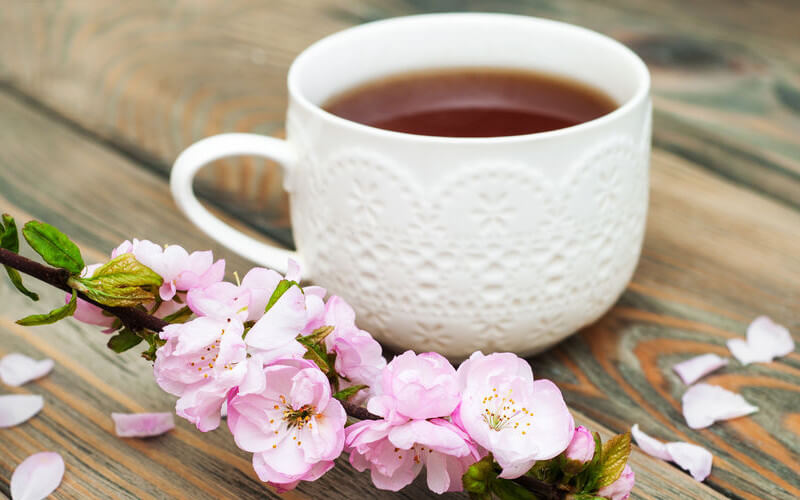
(641, 93)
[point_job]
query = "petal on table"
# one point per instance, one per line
(17, 369)
(142, 424)
(650, 445)
(766, 340)
(704, 404)
(17, 408)
(695, 459)
(37, 476)
(690, 457)
(692, 370)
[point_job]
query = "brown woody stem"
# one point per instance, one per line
(136, 319)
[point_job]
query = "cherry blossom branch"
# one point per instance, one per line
(133, 318)
(137, 319)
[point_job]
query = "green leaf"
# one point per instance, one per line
(182, 315)
(615, 455)
(122, 281)
(16, 280)
(125, 270)
(8, 236)
(9, 239)
(55, 315)
(283, 285)
(154, 342)
(54, 246)
(317, 336)
(345, 394)
(121, 297)
(317, 353)
(477, 480)
(124, 340)
(509, 490)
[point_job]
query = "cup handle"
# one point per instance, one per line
(214, 148)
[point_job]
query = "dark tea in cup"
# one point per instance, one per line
(471, 102)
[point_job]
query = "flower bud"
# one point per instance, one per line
(581, 448)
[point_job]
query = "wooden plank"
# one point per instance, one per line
(90, 381)
(152, 77)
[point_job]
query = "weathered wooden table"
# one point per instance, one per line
(97, 98)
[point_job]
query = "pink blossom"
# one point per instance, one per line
(416, 386)
(621, 488)
(200, 362)
(274, 335)
(581, 448)
(179, 269)
(520, 421)
(359, 358)
(285, 415)
(260, 282)
(221, 301)
(395, 454)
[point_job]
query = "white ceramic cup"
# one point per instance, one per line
(455, 244)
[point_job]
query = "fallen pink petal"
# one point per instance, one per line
(690, 457)
(704, 404)
(142, 424)
(695, 459)
(692, 370)
(17, 369)
(17, 408)
(650, 445)
(765, 341)
(37, 476)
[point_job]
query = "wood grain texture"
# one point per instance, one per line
(148, 78)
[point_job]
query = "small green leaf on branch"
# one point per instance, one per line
(54, 246)
(615, 455)
(477, 480)
(154, 342)
(509, 490)
(283, 285)
(62, 312)
(316, 352)
(125, 270)
(347, 393)
(16, 280)
(182, 315)
(8, 234)
(124, 340)
(9, 239)
(129, 296)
